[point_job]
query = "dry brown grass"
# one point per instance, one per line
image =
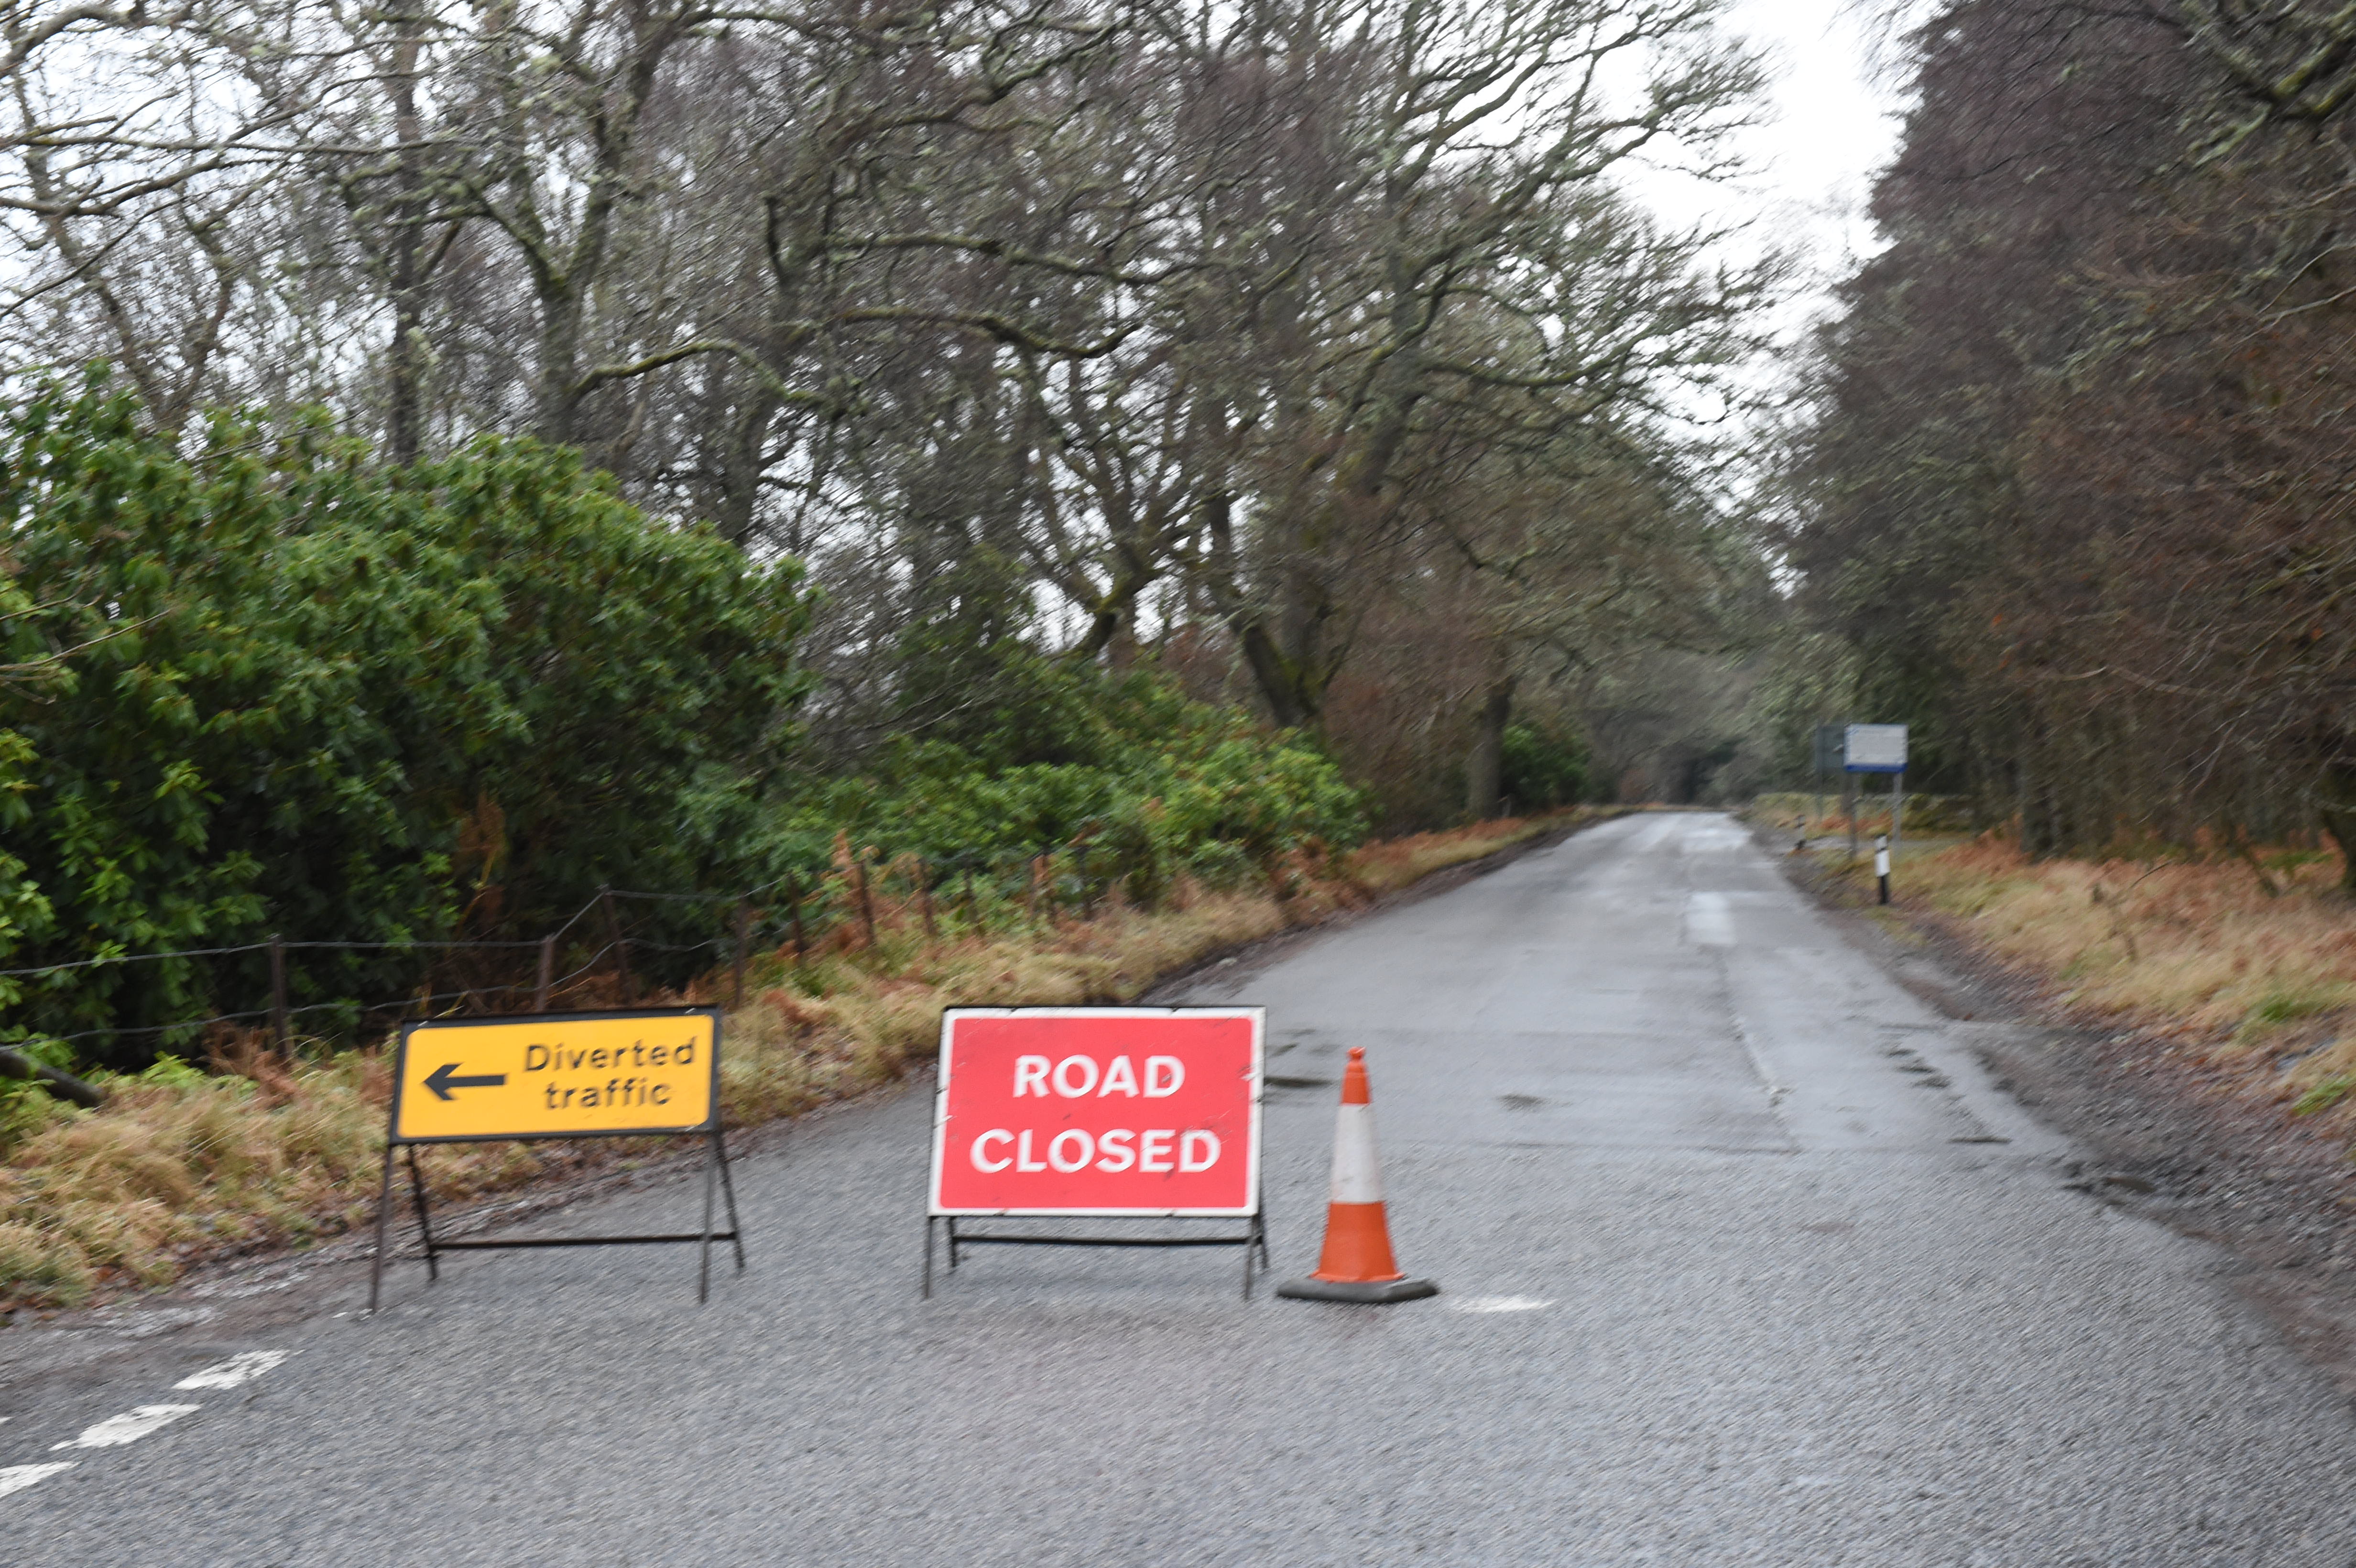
(180, 1165)
(1394, 863)
(2249, 960)
(1925, 814)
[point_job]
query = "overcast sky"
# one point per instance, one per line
(1830, 124)
(1833, 127)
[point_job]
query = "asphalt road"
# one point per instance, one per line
(1729, 1277)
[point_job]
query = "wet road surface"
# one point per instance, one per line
(1743, 1260)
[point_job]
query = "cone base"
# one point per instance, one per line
(1371, 1291)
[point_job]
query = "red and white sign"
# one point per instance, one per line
(1098, 1110)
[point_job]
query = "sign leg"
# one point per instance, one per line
(704, 1269)
(952, 1230)
(424, 1227)
(924, 1284)
(1257, 1236)
(728, 1194)
(383, 1227)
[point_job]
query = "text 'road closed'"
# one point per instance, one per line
(1102, 1111)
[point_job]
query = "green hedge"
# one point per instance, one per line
(1163, 786)
(301, 693)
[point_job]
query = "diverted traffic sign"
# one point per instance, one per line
(572, 1076)
(1098, 1110)
(654, 1072)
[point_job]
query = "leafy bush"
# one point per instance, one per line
(1163, 786)
(302, 693)
(1543, 767)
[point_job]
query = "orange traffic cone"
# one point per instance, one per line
(1357, 1265)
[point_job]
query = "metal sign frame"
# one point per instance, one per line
(716, 1179)
(1828, 746)
(1254, 1236)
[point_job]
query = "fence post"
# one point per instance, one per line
(744, 939)
(866, 899)
(547, 973)
(621, 942)
(278, 995)
(794, 908)
(1030, 891)
(924, 900)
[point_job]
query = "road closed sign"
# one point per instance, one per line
(1108, 1111)
(568, 1075)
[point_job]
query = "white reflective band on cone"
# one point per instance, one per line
(1357, 1173)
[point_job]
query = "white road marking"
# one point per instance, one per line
(1709, 922)
(1497, 1303)
(162, 1321)
(130, 1427)
(17, 1477)
(237, 1369)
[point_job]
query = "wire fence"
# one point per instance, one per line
(851, 903)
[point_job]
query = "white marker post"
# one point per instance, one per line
(1881, 864)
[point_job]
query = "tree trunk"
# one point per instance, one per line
(1484, 769)
(1291, 699)
(560, 357)
(2339, 813)
(740, 475)
(404, 357)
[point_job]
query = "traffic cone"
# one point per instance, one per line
(1357, 1265)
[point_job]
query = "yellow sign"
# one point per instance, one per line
(558, 1076)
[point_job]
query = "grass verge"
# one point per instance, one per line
(182, 1165)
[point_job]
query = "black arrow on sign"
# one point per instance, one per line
(443, 1079)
